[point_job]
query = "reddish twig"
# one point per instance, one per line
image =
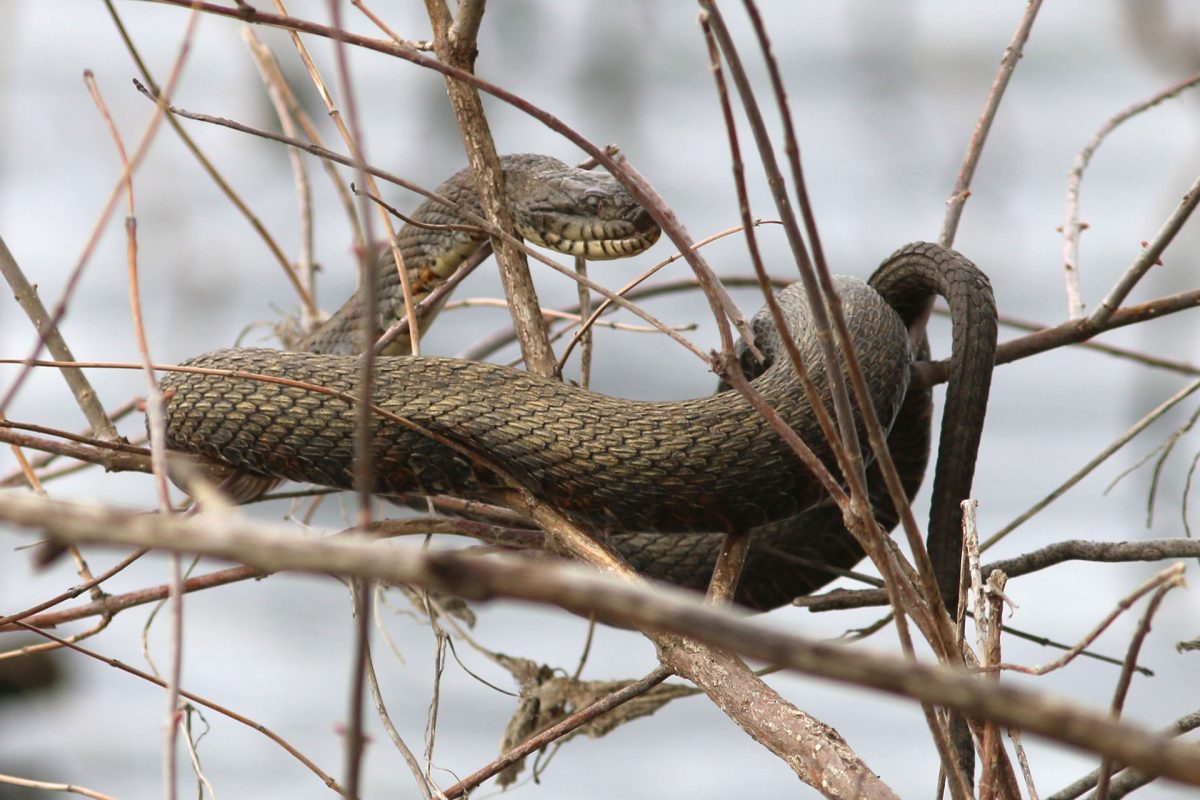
(1135, 645)
(206, 164)
(195, 698)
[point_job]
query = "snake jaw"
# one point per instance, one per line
(577, 212)
(596, 239)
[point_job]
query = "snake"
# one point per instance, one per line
(662, 482)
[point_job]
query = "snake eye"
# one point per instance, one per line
(594, 200)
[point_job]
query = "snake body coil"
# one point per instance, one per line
(663, 478)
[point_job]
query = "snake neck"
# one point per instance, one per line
(574, 211)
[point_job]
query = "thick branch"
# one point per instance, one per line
(455, 45)
(584, 591)
(1065, 333)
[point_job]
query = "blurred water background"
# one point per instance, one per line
(885, 97)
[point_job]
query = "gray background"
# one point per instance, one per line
(885, 97)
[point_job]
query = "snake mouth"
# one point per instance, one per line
(596, 239)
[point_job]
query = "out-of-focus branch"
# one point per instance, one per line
(584, 591)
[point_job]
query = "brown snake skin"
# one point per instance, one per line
(664, 479)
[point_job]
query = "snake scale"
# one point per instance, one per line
(664, 480)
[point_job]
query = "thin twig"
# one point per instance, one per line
(1071, 550)
(111, 605)
(297, 113)
(416, 44)
(585, 310)
(1015, 735)
(364, 459)
(555, 314)
(1173, 579)
(1167, 576)
(630, 291)
(1072, 227)
(1147, 359)
(26, 296)
(74, 592)
(1151, 254)
(386, 720)
(258, 726)
(278, 93)
(49, 786)
(156, 427)
(1099, 459)
(559, 730)
(40, 462)
(962, 185)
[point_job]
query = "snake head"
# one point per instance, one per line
(579, 212)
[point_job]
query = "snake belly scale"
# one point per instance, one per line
(663, 479)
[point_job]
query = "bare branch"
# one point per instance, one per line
(455, 45)
(561, 729)
(962, 186)
(1072, 227)
(1070, 550)
(1131, 657)
(1100, 458)
(195, 698)
(1150, 255)
(48, 786)
(26, 296)
(584, 591)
